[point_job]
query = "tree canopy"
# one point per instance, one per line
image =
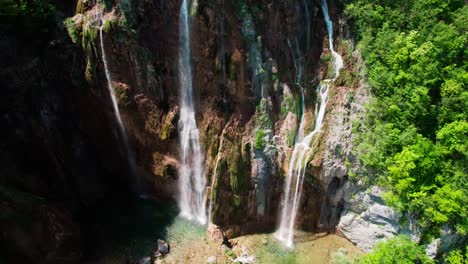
(416, 136)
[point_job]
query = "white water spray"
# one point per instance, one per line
(192, 181)
(302, 151)
(120, 126)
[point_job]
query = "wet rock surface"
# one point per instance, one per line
(215, 234)
(161, 250)
(369, 220)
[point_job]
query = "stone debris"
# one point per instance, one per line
(211, 260)
(244, 257)
(215, 233)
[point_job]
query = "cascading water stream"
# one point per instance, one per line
(120, 126)
(338, 60)
(192, 181)
(302, 151)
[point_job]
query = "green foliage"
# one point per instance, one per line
(291, 104)
(88, 41)
(291, 136)
(89, 38)
(399, 249)
(72, 31)
(263, 119)
(236, 168)
(455, 257)
(26, 16)
(326, 58)
(260, 141)
(416, 136)
(110, 25)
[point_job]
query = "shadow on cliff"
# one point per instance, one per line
(125, 231)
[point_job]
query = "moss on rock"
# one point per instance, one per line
(236, 169)
(260, 141)
(88, 42)
(72, 30)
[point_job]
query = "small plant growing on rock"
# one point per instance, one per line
(72, 31)
(260, 141)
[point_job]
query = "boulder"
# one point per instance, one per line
(161, 250)
(432, 248)
(368, 219)
(163, 247)
(215, 233)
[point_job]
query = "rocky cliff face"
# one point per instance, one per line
(246, 58)
(250, 60)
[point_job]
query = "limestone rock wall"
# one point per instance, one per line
(250, 60)
(245, 102)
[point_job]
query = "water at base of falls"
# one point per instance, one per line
(192, 181)
(303, 152)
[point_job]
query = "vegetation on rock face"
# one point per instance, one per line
(263, 118)
(89, 38)
(260, 141)
(416, 136)
(72, 31)
(457, 257)
(291, 104)
(263, 123)
(349, 76)
(236, 170)
(399, 249)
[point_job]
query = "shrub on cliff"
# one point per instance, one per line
(399, 249)
(260, 141)
(416, 136)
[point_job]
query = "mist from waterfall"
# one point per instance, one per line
(302, 150)
(121, 129)
(192, 181)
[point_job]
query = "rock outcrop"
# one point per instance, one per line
(368, 220)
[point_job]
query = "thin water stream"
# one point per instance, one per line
(302, 151)
(121, 129)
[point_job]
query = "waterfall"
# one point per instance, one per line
(338, 60)
(120, 127)
(192, 181)
(302, 151)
